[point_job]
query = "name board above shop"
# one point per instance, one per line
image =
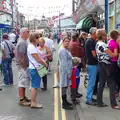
(86, 7)
(111, 9)
(118, 6)
(110, 1)
(90, 4)
(118, 18)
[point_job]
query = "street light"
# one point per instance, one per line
(12, 14)
(59, 22)
(106, 15)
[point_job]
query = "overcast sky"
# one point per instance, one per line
(44, 7)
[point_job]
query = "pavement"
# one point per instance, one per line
(51, 100)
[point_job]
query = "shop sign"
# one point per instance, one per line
(90, 4)
(6, 7)
(118, 18)
(75, 17)
(111, 9)
(110, 1)
(117, 6)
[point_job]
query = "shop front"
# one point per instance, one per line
(85, 24)
(118, 15)
(88, 13)
(111, 16)
(4, 28)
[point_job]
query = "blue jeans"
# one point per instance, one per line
(92, 72)
(7, 71)
(78, 79)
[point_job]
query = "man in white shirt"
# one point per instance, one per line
(50, 44)
(12, 37)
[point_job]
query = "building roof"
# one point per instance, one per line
(43, 24)
(65, 22)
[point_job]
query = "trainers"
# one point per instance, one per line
(56, 86)
(67, 107)
(37, 106)
(24, 103)
(43, 89)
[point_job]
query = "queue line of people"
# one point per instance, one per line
(101, 59)
(73, 54)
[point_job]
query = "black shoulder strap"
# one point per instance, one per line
(8, 46)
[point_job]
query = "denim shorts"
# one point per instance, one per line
(35, 78)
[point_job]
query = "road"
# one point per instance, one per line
(10, 110)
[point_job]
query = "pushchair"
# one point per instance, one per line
(85, 77)
(86, 81)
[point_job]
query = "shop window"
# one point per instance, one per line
(111, 9)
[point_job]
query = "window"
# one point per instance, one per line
(111, 9)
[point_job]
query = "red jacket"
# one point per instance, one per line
(73, 78)
(76, 49)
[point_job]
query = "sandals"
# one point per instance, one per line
(116, 107)
(37, 106)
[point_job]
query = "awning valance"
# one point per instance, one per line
(85, 23)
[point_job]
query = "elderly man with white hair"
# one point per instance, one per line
(91, 65)
(22, 65)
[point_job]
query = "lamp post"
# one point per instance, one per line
(59, 22)
(106, 15)
(115, 16)
(12, 14)
(28, 23)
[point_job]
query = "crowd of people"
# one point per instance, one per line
(100, 55)
(33, 53)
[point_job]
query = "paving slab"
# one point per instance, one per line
(10, 118)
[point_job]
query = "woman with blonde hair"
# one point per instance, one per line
(45, 54)
(34, 62)
(104, 55)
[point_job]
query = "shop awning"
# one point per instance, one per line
(85, 23)
(5, 26)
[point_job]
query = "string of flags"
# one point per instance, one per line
(3, 2)
(51, 9)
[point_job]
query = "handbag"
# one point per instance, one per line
(12, 55)
(41, 70)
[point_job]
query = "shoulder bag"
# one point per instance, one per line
(41, 70)
(12, 55)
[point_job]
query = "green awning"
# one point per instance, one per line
(84, 23)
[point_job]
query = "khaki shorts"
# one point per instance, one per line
(23, 78)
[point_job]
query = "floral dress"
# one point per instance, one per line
(65, 67)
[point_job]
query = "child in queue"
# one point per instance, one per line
(74, 80)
